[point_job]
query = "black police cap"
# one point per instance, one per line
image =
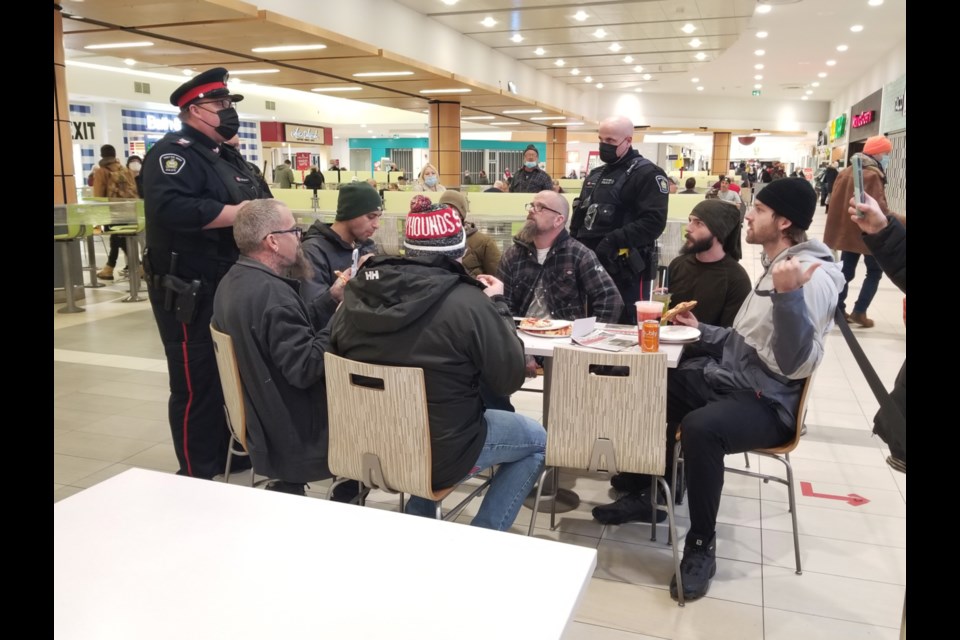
(207, 85)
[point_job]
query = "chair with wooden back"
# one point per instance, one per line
(232, 398)
(608, 413)
(380, 430)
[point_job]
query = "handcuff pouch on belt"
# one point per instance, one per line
(181, 296)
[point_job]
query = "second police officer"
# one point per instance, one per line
(194, 184)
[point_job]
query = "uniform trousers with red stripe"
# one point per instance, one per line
(197, 422)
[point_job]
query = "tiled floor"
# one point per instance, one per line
(109, 399)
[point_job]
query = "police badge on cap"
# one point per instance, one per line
(208, 85)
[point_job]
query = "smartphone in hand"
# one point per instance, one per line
(356, 262)
(858, 198)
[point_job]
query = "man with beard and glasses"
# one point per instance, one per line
(548, 274)
(329, 247)
(193, 185)
(279, 348)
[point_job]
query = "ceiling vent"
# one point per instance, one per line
(270, 105)
(141, 87)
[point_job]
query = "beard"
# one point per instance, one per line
(528, 232)
(301, 269)
(697, 246)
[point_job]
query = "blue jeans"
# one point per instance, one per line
(516, 443)
(870, 283)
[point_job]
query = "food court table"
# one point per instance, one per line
(155, 555)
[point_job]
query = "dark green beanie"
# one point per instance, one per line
(357, 199)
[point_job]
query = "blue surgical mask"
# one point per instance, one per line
(884, 161)
(530, 165)
(430, 181)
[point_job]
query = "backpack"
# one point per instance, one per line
(121, 184)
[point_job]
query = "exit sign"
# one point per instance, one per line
(756, 92)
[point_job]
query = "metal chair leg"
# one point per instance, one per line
(672, 535)
(746, 460)
(793, 510)
(536, 501)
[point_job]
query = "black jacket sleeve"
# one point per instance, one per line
(889, 247)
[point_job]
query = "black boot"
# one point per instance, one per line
(295, 488)
(699, 564)
(632, 507)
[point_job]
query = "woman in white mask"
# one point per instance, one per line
(429, 180)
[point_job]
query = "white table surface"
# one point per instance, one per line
(537, 346)
(154, 555)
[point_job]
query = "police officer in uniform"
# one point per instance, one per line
(621, 211)
(194, 184)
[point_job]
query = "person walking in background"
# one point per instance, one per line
(283, 176)
(826, 182)
(112, 180)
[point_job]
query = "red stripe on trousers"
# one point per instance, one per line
(186, 413)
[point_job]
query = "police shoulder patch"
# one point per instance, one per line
(664, 184)
(171, 163)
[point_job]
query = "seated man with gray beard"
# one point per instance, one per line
(279, 349)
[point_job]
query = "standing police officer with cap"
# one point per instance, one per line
(194, 184)
(621, 211)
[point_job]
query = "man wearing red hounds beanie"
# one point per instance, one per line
(424, 310)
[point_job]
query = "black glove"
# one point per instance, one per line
(606, 251)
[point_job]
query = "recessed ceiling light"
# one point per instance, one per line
(688, 28)
(251, 72)
(335, 89)
(549, 118)
(588, 79)
(814, 84)
(672, 131)
(639, 90)
(334, 137)
(821, 75)
(647, 76)
(560, 62)
(758, 77)
(615, 47)
(857, 28)
(429, 91)
(758, 86)
(701, 56)
(809, 92)
(574, 72)
(539, 51)
(363, 126)
(187, 72)
(450, 3)
(700, 87)
(763, 8)
(501, 123)
(804, 98)
(516, 111)
(474, 117)
(759, 52)
(599, 85)
(874, 3)
(118, 45)
(762, 34)
(638, 69)
(627, 59)
(758, 67)
(516, 38)
(831, 63)
(695, 43)
(600, 33)
(289, 47)
(842, 47)
(382, 74)
(580, 16)
(129, 62)
(569, 124)
(694, 80)
(488, 22)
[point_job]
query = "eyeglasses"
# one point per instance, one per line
(536, 206)
(296, 230)
(225, 103)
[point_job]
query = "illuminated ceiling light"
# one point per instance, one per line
(450, 3)
(758, 67)
(688, 28)
(363, 126)
(638, 69)
(615, 47)
(335, 89)
(580, 16)
(700, 87)
(599, 85)
(821, 75)
(763, 8)
(289, 47)
(560, 62)
(701, 56)
(759, 52)
(517, 111)
(549, 118)
(569, 124)
(574, 72)
(118, 45)
(430, 91)
(671, 132)
(762, 34)
(857, 28)
(251, 72)
(696, 42)
(809, 92)
(842, 47)
(831, 63)
(758, 77)
(129, 62)
(501, 123)
(639, 90)
(600, 33)
(588, 79)
(627, 59)
(874, 3)
(758, 86)
(804, 98)
(539, 51)
(694, 80)
(475, 117)
(814, 84)
(382, 74)
(516, 38)
(647, 76)
(488, 22)
(187, 72)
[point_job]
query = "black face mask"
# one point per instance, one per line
(608, 152)
(229, 123)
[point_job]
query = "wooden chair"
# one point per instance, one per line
(612, 420)
(232, 398)
(380, 430)
(781, 454)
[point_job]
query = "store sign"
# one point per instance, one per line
(85, 130)
(838, 127)
(302, 160)
(161, 123)
(300, 133)
(862, 119)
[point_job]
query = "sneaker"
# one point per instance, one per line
(897, 463)
(125, 272)
(861, 319)
(633, 507)
(106, 273)
(347, 491)
(630, 482)
(698, 566)
(295, 488)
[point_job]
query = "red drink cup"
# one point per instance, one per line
(647, 310)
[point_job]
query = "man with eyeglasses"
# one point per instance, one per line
(621, 211)
(279, 348)
(548, 274)
(194, 184)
